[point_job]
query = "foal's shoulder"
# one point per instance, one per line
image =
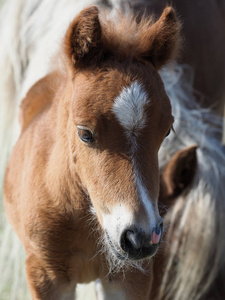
(38, 98)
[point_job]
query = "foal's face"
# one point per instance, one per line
(121, 116)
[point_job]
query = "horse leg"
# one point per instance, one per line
(44, 284)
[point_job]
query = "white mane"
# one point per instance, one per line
(199, 243)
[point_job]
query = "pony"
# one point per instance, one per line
(190, 261)
(90, 134)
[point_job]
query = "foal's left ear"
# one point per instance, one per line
(83, 41)
(180, 171)
(163, 39)
(177, 176)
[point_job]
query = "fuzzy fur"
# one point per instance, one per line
(202, 238)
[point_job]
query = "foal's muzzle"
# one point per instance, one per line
(138, 245)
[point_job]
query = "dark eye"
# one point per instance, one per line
(168, 133)
(85, 134)
(171, 128)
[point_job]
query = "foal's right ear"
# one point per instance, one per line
(83, 41)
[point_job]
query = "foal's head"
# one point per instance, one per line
(120, 115)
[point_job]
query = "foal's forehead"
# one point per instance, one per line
(124, 94)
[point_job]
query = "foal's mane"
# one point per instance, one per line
(120, 36)
(124, 36)
(127, 35)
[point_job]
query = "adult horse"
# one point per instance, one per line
(203, 29)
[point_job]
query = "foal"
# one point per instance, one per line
(91, 131)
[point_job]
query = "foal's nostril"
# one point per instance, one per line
(130, 241)
(156, 234)
(137, 244)
(159, 228)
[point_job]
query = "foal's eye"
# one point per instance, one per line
(85, 134)
(168, 133)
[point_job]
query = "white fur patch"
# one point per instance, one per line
(129, 107)
(120, 218)
(146, 201)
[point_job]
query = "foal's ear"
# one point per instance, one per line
(83, 40)
(179, 172)
(163, 38)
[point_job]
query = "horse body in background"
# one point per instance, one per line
(203, 29)
(84, 147)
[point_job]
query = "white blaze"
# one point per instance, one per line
(129, 108)
(146, 200)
